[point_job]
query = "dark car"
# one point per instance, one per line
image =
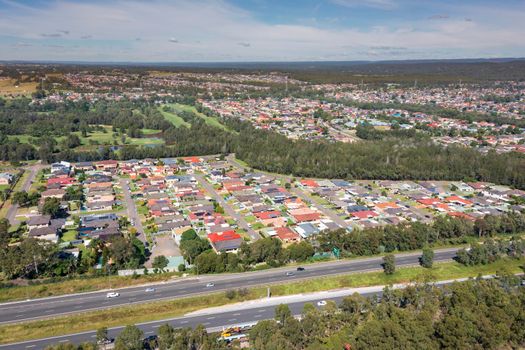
(300, 268)
(151, 342)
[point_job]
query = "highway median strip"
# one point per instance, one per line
(160, 310)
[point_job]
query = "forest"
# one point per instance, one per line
(394, 158)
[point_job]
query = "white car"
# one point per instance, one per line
(321, 303)
(149, 290)
(209, 285)
(112, 295)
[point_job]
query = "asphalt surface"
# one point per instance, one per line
(132, 209)
(76, 303)
(227, 208)
(212, 322)
(11, 212)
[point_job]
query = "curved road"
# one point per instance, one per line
(76, 303)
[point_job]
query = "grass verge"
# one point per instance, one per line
(77, 285)
(168, 309)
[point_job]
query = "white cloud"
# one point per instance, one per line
(214, 30)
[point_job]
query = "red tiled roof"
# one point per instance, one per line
(307, 217)
(364, 214)
(428, 201)
(268, 214)
(223, 236)
(285, 233)
(309, 183)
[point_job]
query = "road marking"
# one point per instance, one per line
(183, 322)
(256, 316)
(63, 341)
(149, 332)
(261, 310)
(19, 315)
(156, 326)
(30, 346)
(206, 323)
(94, 336)
(211, 318)
(51, 310)
(237, 314)
(232, 319)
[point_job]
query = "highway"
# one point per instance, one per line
(76, 303)
(212, 321)
(215, 319)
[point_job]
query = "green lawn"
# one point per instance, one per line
(174, 119)
(257, 226)
(209, 120)
(250, 219)
(69, 236)
(150, 131)
(102, 138)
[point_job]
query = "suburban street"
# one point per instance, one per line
(298, 192)
(132, 209)
(33, 170)
(53, 306)
(227, 208)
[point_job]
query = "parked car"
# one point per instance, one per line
(112, 295)
(209, 285)
(321, 303)
(149, 290)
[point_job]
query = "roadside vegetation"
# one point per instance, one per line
(167, 309)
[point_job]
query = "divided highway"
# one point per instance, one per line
(213, 322)
(76, 303)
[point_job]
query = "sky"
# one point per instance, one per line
(260, 30)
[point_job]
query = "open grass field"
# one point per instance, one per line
(209, 120)
(174, 119)
(101, 138)
(8, 87)
(173, 308)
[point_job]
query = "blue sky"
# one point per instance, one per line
(259, 30)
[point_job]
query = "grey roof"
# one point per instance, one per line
(42, 231)
(39, 220)
(231, 244)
